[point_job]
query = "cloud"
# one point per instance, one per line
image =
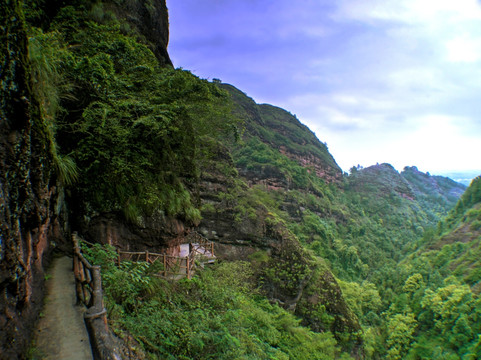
(438, 141)
(378, 80)
(408, 11)
(463, 49)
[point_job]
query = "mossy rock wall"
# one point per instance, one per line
(28, 192)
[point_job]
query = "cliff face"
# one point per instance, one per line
(154, 234)
(28, 196)
(277, 153)
(31, 199)
(299, 143)
(147, 23)
(148, 18)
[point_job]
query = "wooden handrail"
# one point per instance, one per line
(195, 237)
(171, 263)
(87, 278)
(88, 285)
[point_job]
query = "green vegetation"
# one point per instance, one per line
(362, 233)
(220, 314)
(258, 157)
(127, 131)
(291, 134)
(441, 290)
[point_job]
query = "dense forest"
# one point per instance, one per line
(313, 262)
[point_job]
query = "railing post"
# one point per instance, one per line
(104, 346)
(75, 241)
(97, 310)
(165, 266)
(187, 258)
(76, 270)
(147, 255)
(97, 295)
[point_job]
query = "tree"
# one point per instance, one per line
(400, 329)
(413, 283)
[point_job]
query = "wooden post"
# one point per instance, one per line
(98, 301)
(188, 264)
(75, 241)
(165, 266)
(104, 347)
(97, 286)
(88, 275)
(147, 255)
(76, 270)
(82, 281)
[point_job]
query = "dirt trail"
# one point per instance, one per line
(61, 332)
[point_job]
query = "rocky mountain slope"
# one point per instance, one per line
(284, 133)
(360, 224)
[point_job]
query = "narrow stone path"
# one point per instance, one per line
(61, 332)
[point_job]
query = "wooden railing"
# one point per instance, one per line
(88, 280)
(88, 285)
(200, 244)
(172, 265)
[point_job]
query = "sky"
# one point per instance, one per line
(396, 81)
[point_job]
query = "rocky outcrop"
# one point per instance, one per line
(268, 175)
(154, 234)
(149, 18)
(299, 143)
(28, 196)
(439, 186)
(290, 277)
(219, 193)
